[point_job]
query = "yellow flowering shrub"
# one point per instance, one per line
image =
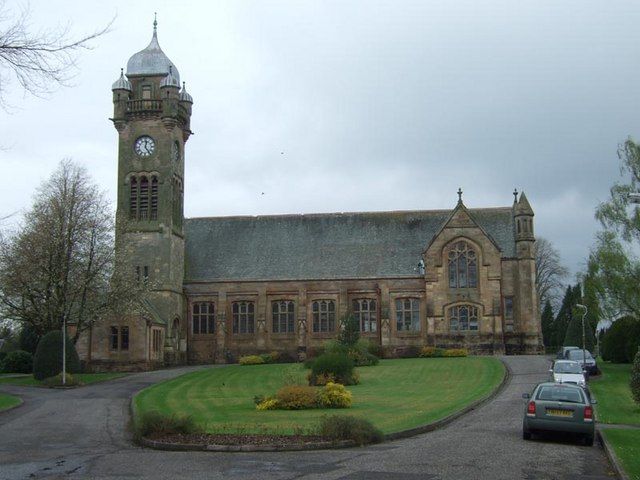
(251, 360)
(334, 395)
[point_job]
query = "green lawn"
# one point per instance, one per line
(8, 401)
(626, 445)
(395, 395)
(615, 404)
(85, 378)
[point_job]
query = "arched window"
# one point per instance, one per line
(463, 318)
(324, 316)
(364, 310)
(133, 198)
(177, 202)
(154, 198)
(143, 212)
(283, 316)
(243, 317)
(203, 317)
(463, 266)
(408, 315)
(143, 198)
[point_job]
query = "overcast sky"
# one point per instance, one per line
(358, 105)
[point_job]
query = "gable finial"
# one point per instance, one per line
(460, 195)
(515, 195)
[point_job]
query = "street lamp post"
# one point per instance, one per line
(584, 337)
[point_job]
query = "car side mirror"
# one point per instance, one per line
(551, 370)
(526, 396)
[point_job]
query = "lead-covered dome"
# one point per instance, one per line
(152, 60)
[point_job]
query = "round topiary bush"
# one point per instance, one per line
(17, 361)
(47, 361)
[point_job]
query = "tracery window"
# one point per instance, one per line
(143, 198)
(324, 316)
(365, 311)
(283, 316)
(243, 317)
(463, 318)
(408, 314)
(203, 317)
(463, 266)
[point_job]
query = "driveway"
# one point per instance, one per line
(82, 433)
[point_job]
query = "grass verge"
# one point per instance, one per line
(615, 403)
(626, 446)
(395, 395)
(8, 401)
(84, 378)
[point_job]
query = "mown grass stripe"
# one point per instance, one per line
(396, 395)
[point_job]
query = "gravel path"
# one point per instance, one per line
(82, 433)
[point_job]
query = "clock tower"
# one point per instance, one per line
(152, 113)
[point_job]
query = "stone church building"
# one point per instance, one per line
(221, 287)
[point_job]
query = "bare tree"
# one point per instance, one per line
(39, 61)
(549, 271)
(60, 266)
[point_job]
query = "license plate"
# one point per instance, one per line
(556, 412)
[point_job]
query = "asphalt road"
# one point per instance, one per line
(82, 434)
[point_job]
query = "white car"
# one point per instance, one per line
(568, 371)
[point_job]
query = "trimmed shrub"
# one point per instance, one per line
(57, 381)
(337, 365)
(296, 397)
(47, 362)
(634, 381)
(431, 352)
(267, 404)
(410, 351)
(251, 360)
(154, 424)
(359, 352)
(456, 352)
(17, 361)
(334, 395)
(346, 427)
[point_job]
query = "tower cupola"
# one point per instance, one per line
(170, 80)
(121, 83)
(152, 61)
(184, 95)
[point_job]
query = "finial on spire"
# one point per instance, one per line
(121, 72)
(460, 195)
(155, 22)
(515, 195)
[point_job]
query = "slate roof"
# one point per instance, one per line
(324, 246)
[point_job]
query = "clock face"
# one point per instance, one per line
(175, 151)
(144, 146)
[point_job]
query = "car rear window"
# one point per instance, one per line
(577, 354)
(560, 394)
(563, 367)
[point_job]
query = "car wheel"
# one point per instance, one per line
(526, 435)
(588, 440)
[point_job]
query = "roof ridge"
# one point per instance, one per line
(324, 214)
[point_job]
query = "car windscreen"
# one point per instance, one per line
(560, 394)
(577, 354)
(562, 367)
